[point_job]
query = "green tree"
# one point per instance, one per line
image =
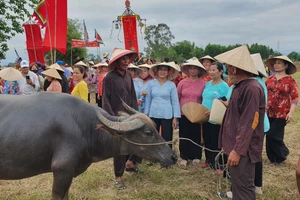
(12, 15)
(294, 56)
(185, 50)
(74, 32)
(159, 40)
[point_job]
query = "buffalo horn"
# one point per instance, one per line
(128, 108)
(120, 127)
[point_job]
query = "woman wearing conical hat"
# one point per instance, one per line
(102, 70)
(207, 61)
(283, 98)
(190, 90)
(53, 76)
(146, 79)
(162, 104)
(214, 89)
(136, 72)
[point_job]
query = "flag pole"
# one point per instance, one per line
(71, 56)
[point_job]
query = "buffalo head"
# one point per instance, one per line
(137, 127)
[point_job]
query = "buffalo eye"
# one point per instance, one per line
(149, 133)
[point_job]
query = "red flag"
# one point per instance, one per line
(34, 43)
(78, 44)
(93, 44)
(83, 44)
(57, 26)
(86, 35)
(130, 35)
(98, 37)
(40, 13)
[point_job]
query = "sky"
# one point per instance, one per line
(274, 23)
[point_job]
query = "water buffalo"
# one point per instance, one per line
(59, 133)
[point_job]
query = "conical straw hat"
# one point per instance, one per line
(52, 72)
(217, 112)
(118, 53)
(10, 74)
(137, 70)
(193, 62)
(146, 66)
(70, 69)
(101, 64)
(291, 68)
(56, 66)
(239, 58)
(154, 70)
(80, 63)
(258, 62)
(207, 57)
(195, 112)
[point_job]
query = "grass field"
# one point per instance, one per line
(155, 183)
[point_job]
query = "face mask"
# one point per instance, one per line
(35, 71)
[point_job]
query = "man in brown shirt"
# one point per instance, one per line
(242, 130)
(118, 83)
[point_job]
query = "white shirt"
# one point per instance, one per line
(26, 89)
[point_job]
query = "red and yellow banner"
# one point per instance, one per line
(130, 33)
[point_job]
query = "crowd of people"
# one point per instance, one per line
(160, 89)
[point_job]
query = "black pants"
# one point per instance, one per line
(99, 101)
(276, 149)
(211, 139)
(166, 128)
(258, 174)
(89, 97)
(120, 162)
(187, 129)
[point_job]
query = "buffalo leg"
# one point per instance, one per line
(61, 184)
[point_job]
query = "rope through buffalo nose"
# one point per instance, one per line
(171, 142)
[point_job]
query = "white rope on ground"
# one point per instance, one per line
(220, 167)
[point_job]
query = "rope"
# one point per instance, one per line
(170, 142)
(220, 167)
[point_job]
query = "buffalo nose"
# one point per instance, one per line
(174, 157)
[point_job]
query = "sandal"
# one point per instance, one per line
(120, 185)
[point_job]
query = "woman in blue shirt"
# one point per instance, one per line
(215, 88)
(162, 104)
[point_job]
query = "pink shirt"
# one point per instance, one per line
(189, 91)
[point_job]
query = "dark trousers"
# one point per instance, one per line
(211, 139)
(89, 97)
(187, 129)
(120, 162)
(99, 101)
(276, 149)
(258, 174)
(242, 179)
(166, 128)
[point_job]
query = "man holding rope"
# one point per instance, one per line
(242, 130)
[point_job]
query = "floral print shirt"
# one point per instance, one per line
(281, 94)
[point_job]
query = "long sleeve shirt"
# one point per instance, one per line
(26, 89)
(242, 129)
(190, 91)
(116, 86)
(81, 91)
(162, 100)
